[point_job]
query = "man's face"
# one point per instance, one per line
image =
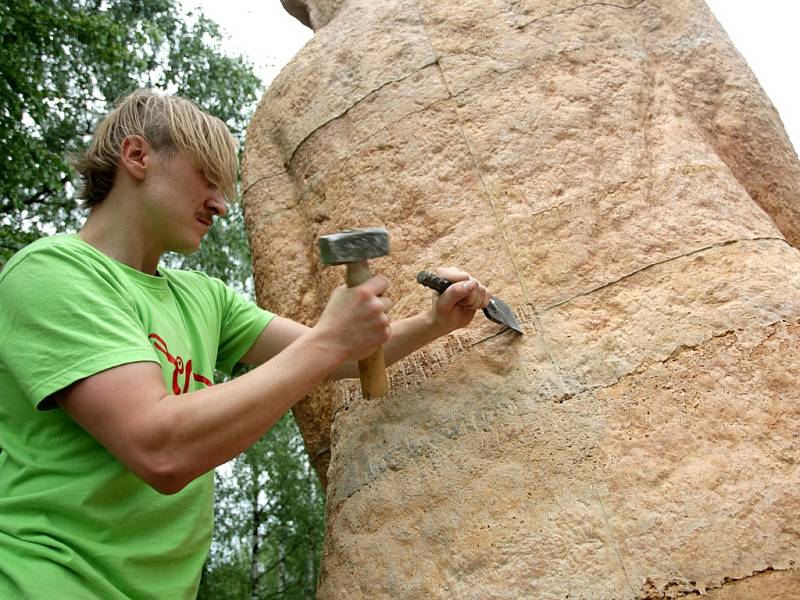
(181, 202)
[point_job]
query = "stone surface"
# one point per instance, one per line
(615, 173)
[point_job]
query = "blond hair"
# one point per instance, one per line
(169, 124)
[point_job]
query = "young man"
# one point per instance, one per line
(109, 423)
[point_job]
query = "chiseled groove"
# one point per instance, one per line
(730, 580)
(646, 594)
(354, 104)
(579, 7)
(263, 179)
(661, 262)
(646, 363)
(643, 367)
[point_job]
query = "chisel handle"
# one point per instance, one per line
(433, 281)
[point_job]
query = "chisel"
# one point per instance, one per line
(497, 310)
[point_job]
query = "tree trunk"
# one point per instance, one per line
(281, 565)
(255, 538)
(615, 173)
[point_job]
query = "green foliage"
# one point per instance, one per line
(268, 532)
(64, 62)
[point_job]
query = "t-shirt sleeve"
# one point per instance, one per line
(242, 323)
(62, 321)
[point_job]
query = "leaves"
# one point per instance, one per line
(63, 63)
(269, 523)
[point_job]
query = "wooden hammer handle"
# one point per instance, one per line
(371, 370)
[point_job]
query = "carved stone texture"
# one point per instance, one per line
(615, 173)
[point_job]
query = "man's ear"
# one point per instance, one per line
(134, 156)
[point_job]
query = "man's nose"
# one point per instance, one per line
(217, 203)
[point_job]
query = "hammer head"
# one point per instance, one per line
(354, 245)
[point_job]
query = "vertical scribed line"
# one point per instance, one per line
(492, 205)
(615, 543)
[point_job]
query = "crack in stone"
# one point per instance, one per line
(610, 190)
(661, 262)
(647, 363)
(532, 66)
(339, 163)
(577, 8)
(264, 217)
(262, 179)
(613, 537)
(356, 103)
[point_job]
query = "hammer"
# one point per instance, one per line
(353, 248)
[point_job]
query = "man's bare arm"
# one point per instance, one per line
(169, 440)
(452, 310)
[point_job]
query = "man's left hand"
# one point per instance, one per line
(456, 307)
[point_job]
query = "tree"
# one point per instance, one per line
(62, 64)
(269, 523)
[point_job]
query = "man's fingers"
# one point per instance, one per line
(458, 293)
(465, 291)
(377, 285)
(469, 294)
(452, 274)
(486, 297)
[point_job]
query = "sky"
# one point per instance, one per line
(764, 32)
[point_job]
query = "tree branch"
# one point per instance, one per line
(45, 193)
(279, 561)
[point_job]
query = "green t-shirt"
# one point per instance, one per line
(75, 523)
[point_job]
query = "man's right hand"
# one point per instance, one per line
(356, 320)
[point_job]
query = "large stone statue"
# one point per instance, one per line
(615, 173)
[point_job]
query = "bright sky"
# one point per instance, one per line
(765, 33)
(261, 30)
